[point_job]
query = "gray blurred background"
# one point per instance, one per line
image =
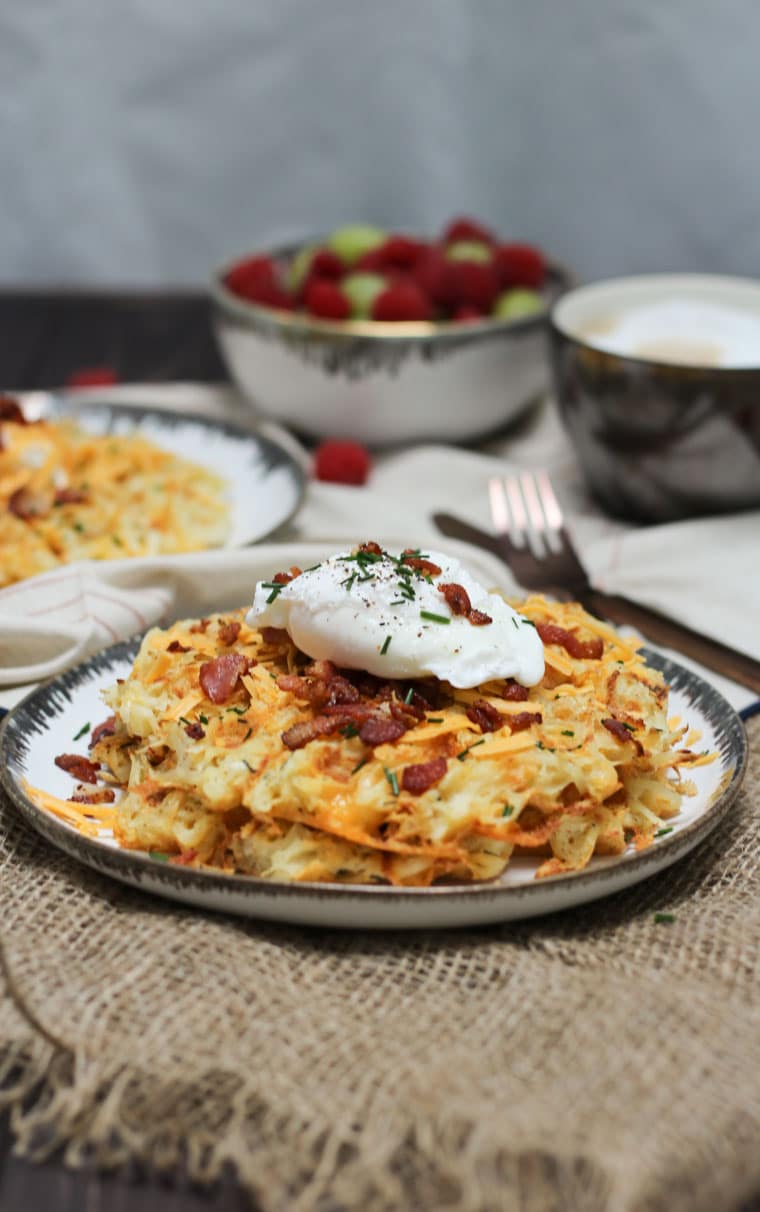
(142, 142)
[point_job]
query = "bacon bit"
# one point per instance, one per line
(421, 565)
(423, 775)
(102, 795)
(621, 733)
(524, 719)
(70, 496)
(457, 598)
(485, 715)
(80, 768)
(350, 713)
(582, 650)
(284, 578)
(513, 692)
(274, 635)
(372, 548)
(200, 626)
(195, 731)
(218, 678)
(175, 646)
(380, 731)
(26, 504)
(302, 733)
(184, 858)
(229, 632)
(321, 685)
(107, 728)
(10, 410)
(479, 618)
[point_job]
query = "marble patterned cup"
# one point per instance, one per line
(672, 430)
(383, 383)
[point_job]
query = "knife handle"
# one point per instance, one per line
(711, 653)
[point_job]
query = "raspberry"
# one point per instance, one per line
(253, 272)
(398, 252)
(467, 229)
(433, 276)
(402, 300)
(466, 313)
(473, 284)
(341, 462)
(520, 265)
(93, 376)
(325, 299)
(326, 264)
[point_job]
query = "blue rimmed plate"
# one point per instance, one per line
(46, 721)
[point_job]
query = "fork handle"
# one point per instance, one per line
(654, 626)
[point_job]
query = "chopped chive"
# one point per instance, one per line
(182, 720)
(349, 731)
(203, 718)
(434, 618)
(386, 645)
(359, 765)
(82, 730)
(245, 738)
(115, 539)
(567, 732)
(407, 697)
(662, 832)
(515, 622)
(349, 581)
(159, 856)
(392, 780)
(630, 727)
(248, 766)
(398, 602)
(461, 756)
(435, 719)
(79, 527)
(507, 810)
(541, 745)
(237, 710)
(528, 622)
(664, 918)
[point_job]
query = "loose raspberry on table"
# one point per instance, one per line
(341, 462)
(402, 300)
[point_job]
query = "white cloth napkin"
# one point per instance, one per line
(705, 573)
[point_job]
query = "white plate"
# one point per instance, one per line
(265, 482)
(45, 723)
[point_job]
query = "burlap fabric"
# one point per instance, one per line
(597, 1060)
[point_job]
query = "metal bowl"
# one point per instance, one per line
(382, 383)
(657, 440)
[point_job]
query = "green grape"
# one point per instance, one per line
(469, 250)
(515, 303)
(300, 266)
(352, 241)
(362, 290)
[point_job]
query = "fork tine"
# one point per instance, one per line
(499, 507)
(517, 508)
(549, 502)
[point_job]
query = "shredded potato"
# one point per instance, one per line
(593, 767)
(69, 495)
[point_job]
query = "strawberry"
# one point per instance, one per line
(341, 462)
(520, 265)
(467, 229)
(325, 299)
(402, 300)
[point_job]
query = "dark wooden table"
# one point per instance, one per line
(46, 338)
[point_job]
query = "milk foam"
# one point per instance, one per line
(688, 331)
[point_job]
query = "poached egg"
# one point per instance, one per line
(379, 611)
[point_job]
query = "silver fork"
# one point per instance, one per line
(527, 516)
(531, 538)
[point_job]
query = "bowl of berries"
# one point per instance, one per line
(383, 337)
